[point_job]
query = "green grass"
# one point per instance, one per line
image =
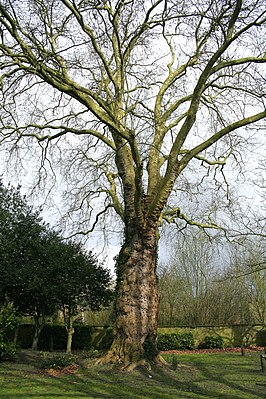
(213, 376)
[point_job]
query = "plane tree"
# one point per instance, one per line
(141, 101)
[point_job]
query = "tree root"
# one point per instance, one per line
(127, 365)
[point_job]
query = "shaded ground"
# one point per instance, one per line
(222, 375)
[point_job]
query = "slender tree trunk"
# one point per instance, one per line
(39, 324)
(135, 329)
(15, 340)
(69, 319)
(70, 333)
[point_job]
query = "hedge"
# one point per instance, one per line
(179, 341)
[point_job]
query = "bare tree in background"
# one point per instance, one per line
(142, 91)
(186, 281)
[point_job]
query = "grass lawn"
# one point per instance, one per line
(213, 376)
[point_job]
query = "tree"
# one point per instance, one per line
(147, 91)
(173, 299)
(79, 282)
(41, 272)
(248, 270)
(186, 283)
(24, 256)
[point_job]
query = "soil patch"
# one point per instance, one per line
(71, 369)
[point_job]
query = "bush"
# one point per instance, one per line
(57, 362)
(7, 350)
(9, 320)
(107, 340)
(91, 353)
(261, 338)
(213, 342)
(167, 341)
(151, 350)
(172, 341)
(55, 337)
(25, 335)
(186, 341)
(82, 337)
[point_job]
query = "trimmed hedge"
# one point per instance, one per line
(261, 338)
(54, 337)
(86, 337)
(179, 341)
(212, 342)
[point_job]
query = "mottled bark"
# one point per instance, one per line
(135, 329)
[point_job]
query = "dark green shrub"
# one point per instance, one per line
(179, 341)
(106, 341)
(57, 362)
(186, 341)
(53, 337)
(174, 362)
(151, 350)
(167, 341)
(7, 350)
(9, 320)
(82, 337)
(261, 338)
(25, 335)
(213, 342)
(91, 353)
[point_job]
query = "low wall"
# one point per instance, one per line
(101, 337)
(235, 335)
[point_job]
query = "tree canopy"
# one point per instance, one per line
(40, 271)
(139, 103)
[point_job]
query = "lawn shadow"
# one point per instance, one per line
(189, 381)
(222, 376)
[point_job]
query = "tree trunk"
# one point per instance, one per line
(15, 340)
(135, 329)
(39, 324)
(70, 333)
(70, 329)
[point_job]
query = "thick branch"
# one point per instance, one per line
(171, 216)
(217, 136)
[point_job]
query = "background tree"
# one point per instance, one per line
(24, 258)
(186, 282)
(79, 282)
(149, 92)
(205, 283)
(248, 269)
(40, 272)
